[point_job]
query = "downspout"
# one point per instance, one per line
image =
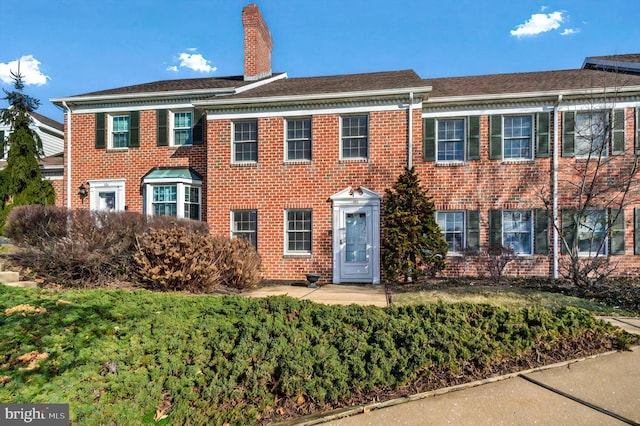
(410, 149)
(556, 142)
(68, 111)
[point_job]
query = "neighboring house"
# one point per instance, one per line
(51, 134)
(299, 165)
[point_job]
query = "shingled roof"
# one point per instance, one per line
(48, 121)
(528, 82)
(335, 84)
(175, 85)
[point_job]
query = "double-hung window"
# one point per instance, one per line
(592, 233)
(299, 139)
(182, 124)
(244, 224)
(517, 137)
(119, 134)
(517, 231)
(192, 202)
(355, 137)
(298, 231)
(591, 134)
(452, 225)
(450, 140)
(165, 200)
(245, 141)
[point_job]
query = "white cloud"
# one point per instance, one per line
(539, 23)
(543, 8)
(569, 31)
(193, 61)
(29, 69)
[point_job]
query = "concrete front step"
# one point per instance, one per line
(9, 277)
(23, 284)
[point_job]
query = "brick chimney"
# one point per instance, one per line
(257, 44)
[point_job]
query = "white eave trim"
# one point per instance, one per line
(143, 95)
(550, 94)
(312, 97)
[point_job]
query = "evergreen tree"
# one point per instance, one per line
(21, 180)
(412, 243)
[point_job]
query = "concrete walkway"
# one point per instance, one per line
(601, 390)
(329, 294)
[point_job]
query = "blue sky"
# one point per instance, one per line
(69, 47)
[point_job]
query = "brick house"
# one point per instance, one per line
(299, 165)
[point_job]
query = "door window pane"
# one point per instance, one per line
(356, 237)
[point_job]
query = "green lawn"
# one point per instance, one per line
(237, 360)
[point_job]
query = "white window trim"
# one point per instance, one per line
(286, 140)
(464, 140)
(342, 158)
(110, 118)
(531, 230)
(532, 138)
(286, 235)
(233, 142)
(172, 133)
(181, 184)
(607, 137)
(464, 231)
(605, 247)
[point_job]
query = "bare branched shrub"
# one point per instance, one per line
(239, 262)
(31, 225)
(171, 259)
(494, 260)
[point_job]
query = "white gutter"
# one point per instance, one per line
(410, 150)
(554, 191)
(68, 111)
(313, 96)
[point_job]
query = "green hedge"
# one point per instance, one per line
(237, 360)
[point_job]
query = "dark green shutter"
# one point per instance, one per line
(617, 231)
(429, 139)
(568, 229)
(198, 128)
(473, 230)
(568, 133)
(134, 129)
(495, 228)
(473, 138)
(636, 231)
(1, 143)
(542, 231)
(162, 136)
(617, 140)
(100, 130)
(542, 135)
(495, 143)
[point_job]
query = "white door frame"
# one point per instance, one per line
(106, 185)
(351, 200)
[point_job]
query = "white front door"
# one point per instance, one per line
(106, 195)
(355, 244)
(356, 236)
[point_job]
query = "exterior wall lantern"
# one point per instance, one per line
(83, 192)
